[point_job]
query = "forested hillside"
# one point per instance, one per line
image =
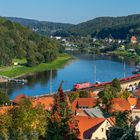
(117, 27)
(42, 27)
(17, 41)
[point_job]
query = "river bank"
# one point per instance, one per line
(20, 70)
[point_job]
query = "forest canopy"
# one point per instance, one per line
(20, 42)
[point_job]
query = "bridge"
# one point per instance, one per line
(127, 83)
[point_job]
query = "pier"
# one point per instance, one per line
(12, 80)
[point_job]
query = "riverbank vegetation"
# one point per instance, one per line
(22, 69)
(18, 42)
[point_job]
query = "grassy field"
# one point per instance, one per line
(19, 70)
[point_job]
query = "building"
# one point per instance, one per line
(93, 128)
(120, 104)
(133, 39)
(83, 103)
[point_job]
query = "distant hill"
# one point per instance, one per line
(42, 27)
(17, 41)
(117, 27)
(101, 27)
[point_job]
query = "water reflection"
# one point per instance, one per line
(42, 78)
(79, 70)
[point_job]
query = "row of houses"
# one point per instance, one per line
(93, 123)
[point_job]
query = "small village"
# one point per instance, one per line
(98, 114)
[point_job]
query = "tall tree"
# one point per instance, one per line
(61, 122)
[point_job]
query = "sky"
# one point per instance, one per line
(68, 11)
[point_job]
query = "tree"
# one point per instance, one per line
(83, 94)
(23, 122)
(73, 96)
(124, 94)
(4, 99)
(116, 85)
(61, 122)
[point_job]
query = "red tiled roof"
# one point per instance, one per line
(46, 101)
(86, 123)
(132, 101)
(84, 102)
(19, 98)
(120, 104)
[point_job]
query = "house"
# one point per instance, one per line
(93, 128)
(47, 102)
(83, 103)
(133, 39)
(119, 104)
(132, 101)
(18, 99)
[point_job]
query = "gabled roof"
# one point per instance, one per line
(19, 98)
(84, 102)
(120, 104)
(46, 101)
(86, 123)
(132, 101)
(94, 112)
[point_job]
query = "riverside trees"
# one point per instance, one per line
(19, 42)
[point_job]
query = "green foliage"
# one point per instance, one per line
(49, 28)
(61, 122)
(102, 27)
(124, 94)
(122, 119)
(19, 42)
(23, 122)
(116, 85)
(4, 99)
(73, 96)
(83, 94)
(110, 92)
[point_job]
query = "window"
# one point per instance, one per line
(102, 129)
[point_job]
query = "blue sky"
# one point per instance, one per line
(68, 11)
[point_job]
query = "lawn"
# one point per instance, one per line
(20, 69)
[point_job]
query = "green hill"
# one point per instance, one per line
(17, 42)
(42, 27)
(117, 27)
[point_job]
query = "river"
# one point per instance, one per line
(83, 68)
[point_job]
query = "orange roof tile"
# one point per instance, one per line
(132, 101)
(84, 102)
(120, 104)
(46, 101)
(19, 98)
(85, 123)
(93, 95)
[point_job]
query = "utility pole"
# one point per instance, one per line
(51, 81)
(124, 67)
